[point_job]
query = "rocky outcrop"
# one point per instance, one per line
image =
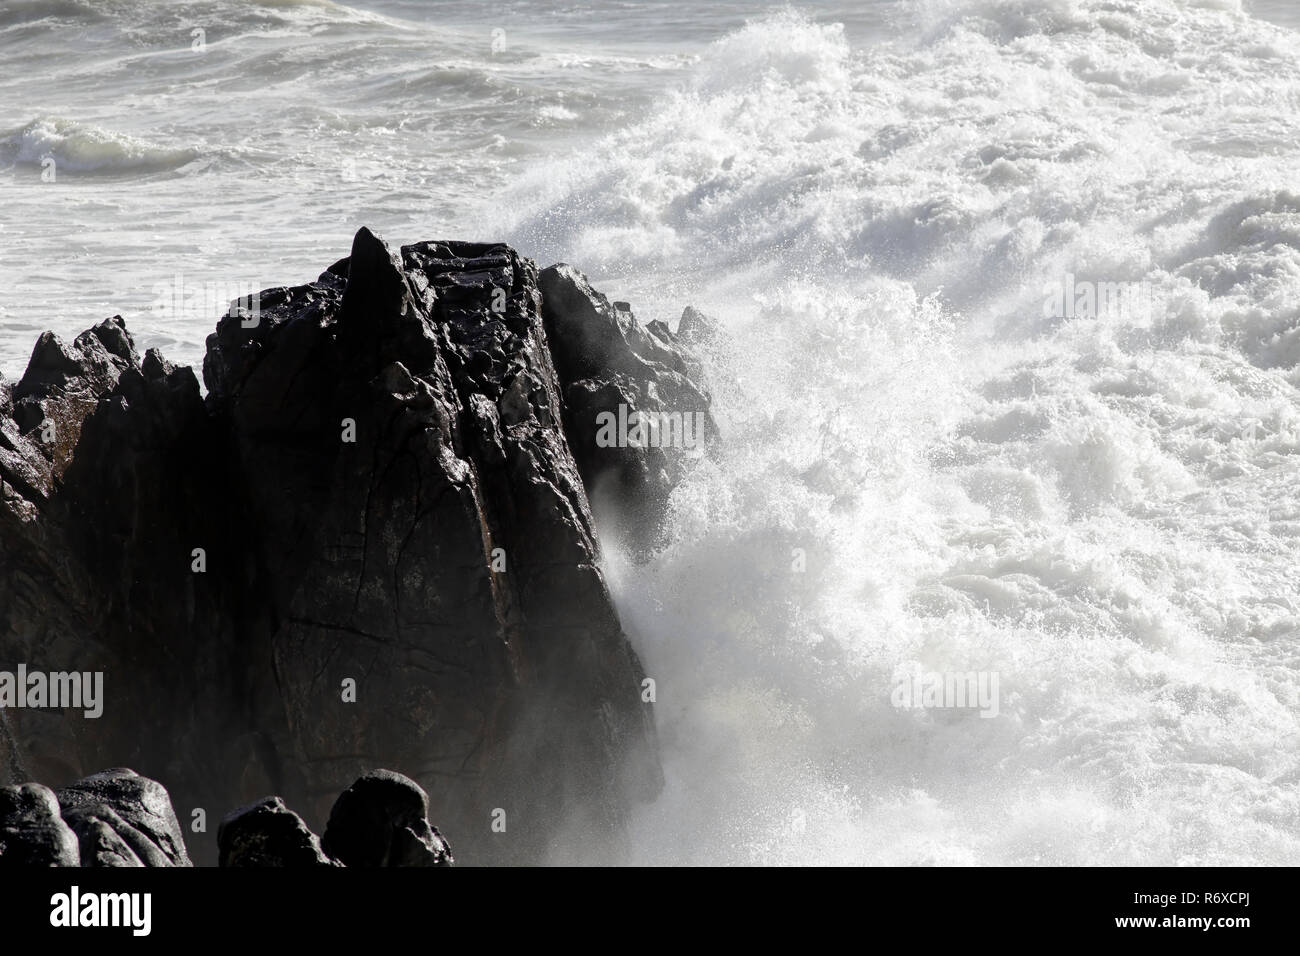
(268, 834)
(634, 410)
(695, 329)
(63, 384)
(110, 477)
(117, 818)
(114, 818)
(123, 819)
(382, 820)
(32, 833)
(370, 545)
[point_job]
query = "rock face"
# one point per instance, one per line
(371, 545)
(382, 820)
(123, 819)
(102, 501)
(31, 831)
(117, 818)
(112, 818)
(634, 411)
(268, 834)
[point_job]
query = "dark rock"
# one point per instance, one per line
(380, 553)
(31, 831)
(660, 330)
(64, 382)
(117, 818)
(612, 370)
(446, 560)
(134, 808)
(268, 833)
(103, 838)
(96, 574)
(382, 820)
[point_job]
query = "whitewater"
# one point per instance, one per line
(925, 468)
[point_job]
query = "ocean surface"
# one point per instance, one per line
(931, 464)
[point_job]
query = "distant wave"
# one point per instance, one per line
(82, 148)
(144, 19)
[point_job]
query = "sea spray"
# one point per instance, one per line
(926, 469)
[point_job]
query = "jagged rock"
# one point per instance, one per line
(97, 575)
(268, 833)
(63, 383)
(696, 328)
(660, 330)
(133, 808)
(31, 831)
(382, 820)
(379, 487)
(446, 558)
(614, 372)
(41, 415)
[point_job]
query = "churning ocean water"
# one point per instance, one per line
(930, 464)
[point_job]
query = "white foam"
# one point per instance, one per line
(1078, 503)
(77, 147)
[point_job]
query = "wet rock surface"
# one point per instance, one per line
(370, 544)
(382, 820)
(635, 411)
(117, 818)
(268, 834)
(32, 833)
(123, 819)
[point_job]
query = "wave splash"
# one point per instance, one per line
(84, 148)
(928, 469)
